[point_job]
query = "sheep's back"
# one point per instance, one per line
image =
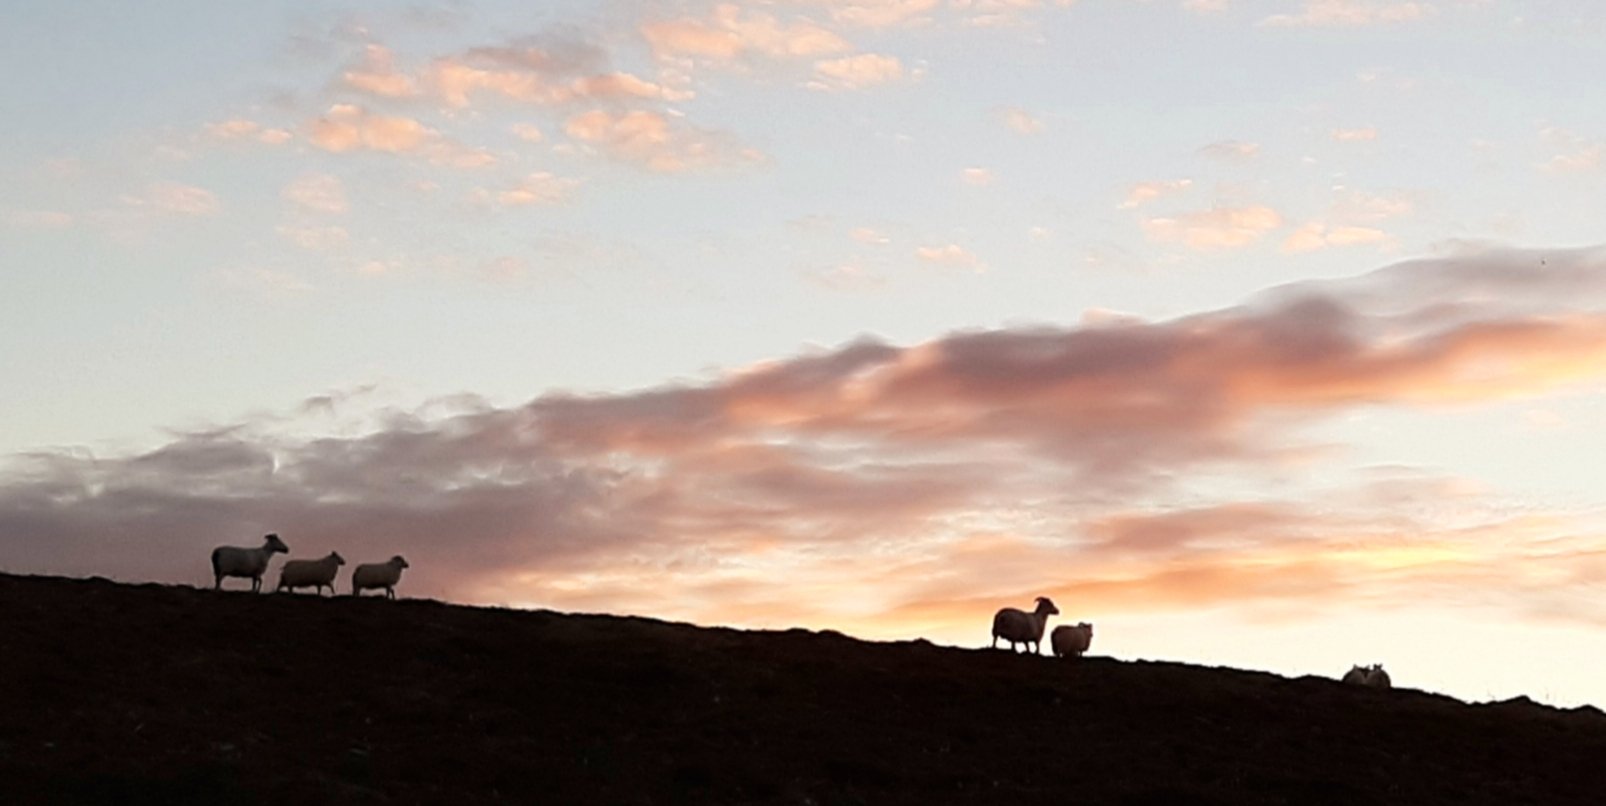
(375, 575)
(308, 571)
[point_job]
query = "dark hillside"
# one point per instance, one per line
(123, 694)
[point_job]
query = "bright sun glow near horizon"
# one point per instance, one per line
(1259, 333)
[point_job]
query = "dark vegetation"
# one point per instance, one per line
(154, 694)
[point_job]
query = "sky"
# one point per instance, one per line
(1261, 333)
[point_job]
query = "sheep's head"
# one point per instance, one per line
(1046, 605)
(1086, 627)
(273, 544)
(399, 562)
(339, 560)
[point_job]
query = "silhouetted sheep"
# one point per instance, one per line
(232, 561)
(1377, 678)
(1372, 676)
(378, 575)
(1017, 626)
(1071, 642)
(311, 573)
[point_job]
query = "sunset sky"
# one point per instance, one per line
(1263, 333)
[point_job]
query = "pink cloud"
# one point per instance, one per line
(320, 193)
(350, 128)
(929, 479)
(731, 32)
(856, 72)
(655, 142)
(1350, 14)
(539, 188)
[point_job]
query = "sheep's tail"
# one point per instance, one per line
(216, 554)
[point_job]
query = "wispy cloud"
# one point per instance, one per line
(350, 128)
(1317, 235)
(856, 72)
(731, 32)
(949, 255)
(176, 197)
(880, 13)
(320, 193)
(1231, 150)
(655, 142)
(316, 238)
(1574, 153)
(1355, 135)
(1216, 228)
(247, 129)
(37, 219)
(539, 188)
(1144, 192)
(977, 176)
(1020, 121)
(1350, 13)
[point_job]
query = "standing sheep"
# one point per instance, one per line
(1019, 627)
(378, 575)
(232, 561)
(311, 573)
(1071, 642)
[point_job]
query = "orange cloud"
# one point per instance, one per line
(1144, 192)
(1219, 228)
(651, 140)
(378, 75)
(350, 128)
(1316, 235)
(730, 33)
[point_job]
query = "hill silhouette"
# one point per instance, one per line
(162, 694)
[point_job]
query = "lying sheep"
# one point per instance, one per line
(378, 575)
(1372, 676)
(311, 573)
(1071, 642)
(232, 561)
(1016, 626)
(1377, 678)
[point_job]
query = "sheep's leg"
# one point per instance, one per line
(390, 593)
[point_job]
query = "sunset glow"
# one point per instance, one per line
(1262, 333)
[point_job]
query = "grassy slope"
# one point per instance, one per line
(121, 693)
